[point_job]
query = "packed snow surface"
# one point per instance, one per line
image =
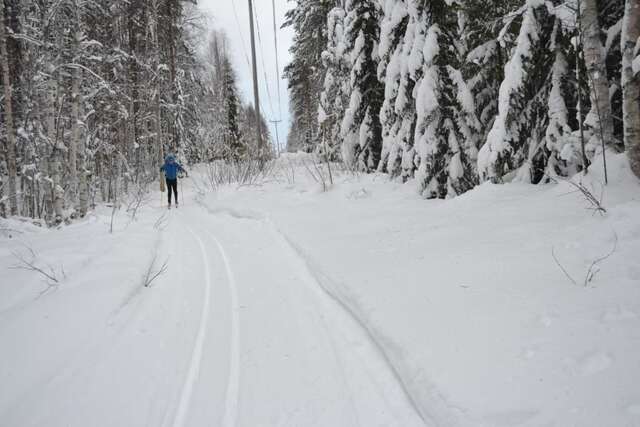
(285, 305)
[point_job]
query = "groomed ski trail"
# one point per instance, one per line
(234, 333)
(231, 397)
(196, 356)
(281, 301)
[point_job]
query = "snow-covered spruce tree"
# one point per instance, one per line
(443, 103)
(360, 129)
(563, 148)
(305, 72)
(600, 117)
(516, 142)
(334, 96)
(390, 51)
(486, 39)
(631, 82)
(411, 72)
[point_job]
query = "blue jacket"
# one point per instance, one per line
(171, 168)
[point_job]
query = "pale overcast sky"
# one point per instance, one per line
(236, 25)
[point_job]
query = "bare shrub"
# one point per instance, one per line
(593, 267)
(241, 173)
(317, 174)
(140, 196)
(28, 262)
(153, 271)
(595, 202)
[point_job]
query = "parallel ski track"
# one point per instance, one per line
(422, 406)
(233, 381)
(196, 355)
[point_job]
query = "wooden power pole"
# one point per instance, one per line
(256, 95)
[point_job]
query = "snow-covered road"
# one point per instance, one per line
(237, 332)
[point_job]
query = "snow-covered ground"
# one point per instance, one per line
(363, 305)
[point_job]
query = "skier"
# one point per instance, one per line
(171, 169)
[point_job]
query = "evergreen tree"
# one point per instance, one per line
(361, 130)
(334, 96)
(516, 140)
(630, 47)
(391, 70)
(610, 15)
(305, 72)
(443, 102)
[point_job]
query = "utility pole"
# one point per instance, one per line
(275, 45)
(275, 125)
(256, 95)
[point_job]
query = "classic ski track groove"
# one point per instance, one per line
(421, 407)
(196, 355)
(233, 381)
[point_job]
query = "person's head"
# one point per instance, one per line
(170, 158)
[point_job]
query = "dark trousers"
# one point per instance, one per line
(172, 184)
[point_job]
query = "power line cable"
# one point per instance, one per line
(244, 48)
(275, 44)
(264, 67)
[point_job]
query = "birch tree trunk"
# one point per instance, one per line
(158, 88)
(134, 146)
(57, 192)
(8, 115)
(76, 99)
(631, 84)
(79, 188)
(82, 175)
(596, 69)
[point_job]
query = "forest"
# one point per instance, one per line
(445, 94)
(95, 94)
(452, 93)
